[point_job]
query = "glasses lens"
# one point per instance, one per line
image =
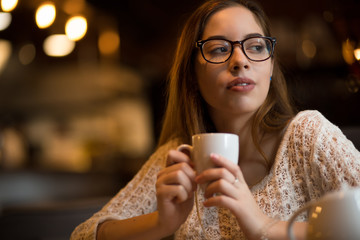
(216, 51)
(258, 48)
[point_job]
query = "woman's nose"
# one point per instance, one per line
(238, 59)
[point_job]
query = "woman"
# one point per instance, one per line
(225, 79)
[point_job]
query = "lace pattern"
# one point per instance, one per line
(314, 157)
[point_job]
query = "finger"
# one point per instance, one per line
(175, 193)
(175, 157)
(185, 167)
(214, 174)
(178, 177)
(222, 187)
(219, 201)
(220, 161)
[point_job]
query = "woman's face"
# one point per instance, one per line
(238, 86)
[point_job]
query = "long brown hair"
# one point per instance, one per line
(186, 113)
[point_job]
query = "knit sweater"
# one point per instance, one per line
(314, 157)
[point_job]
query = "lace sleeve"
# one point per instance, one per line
(335, 162)
(137, 198)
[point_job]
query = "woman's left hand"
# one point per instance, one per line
(227, 188)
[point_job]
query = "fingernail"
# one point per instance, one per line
(214, 155)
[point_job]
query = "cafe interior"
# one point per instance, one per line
(83, 87)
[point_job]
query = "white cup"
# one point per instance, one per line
(333, 217)
(224, 144)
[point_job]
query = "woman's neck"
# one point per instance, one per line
(240, 125)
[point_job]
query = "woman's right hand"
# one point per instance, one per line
(175, 189)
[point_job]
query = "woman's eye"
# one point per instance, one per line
(219, 50)
(256, 48)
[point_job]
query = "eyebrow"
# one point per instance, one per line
(246, 36)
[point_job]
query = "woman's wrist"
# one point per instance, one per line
(162, 229)
(264, 231)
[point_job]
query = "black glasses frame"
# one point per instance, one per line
(201, 43)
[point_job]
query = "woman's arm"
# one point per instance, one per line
(174, 192)
(141, 227)
(137, 198)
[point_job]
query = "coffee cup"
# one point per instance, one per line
(224, 144)
(334, 216)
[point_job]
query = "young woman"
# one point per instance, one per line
(225, 78)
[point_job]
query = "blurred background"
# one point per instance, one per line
(82, 90)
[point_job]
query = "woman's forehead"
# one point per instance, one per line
(232, 22)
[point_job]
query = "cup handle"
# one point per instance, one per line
(185, 148)
(290, 231)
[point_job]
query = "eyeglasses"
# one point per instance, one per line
(256, 49)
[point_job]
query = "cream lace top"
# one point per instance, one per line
(314, 157)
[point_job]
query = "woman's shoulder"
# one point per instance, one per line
(308, 116)
(309, 128)
(309, 121)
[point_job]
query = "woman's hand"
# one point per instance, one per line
(227, 188)
(175, 188)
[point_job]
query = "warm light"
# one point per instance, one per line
(58, 45)
(45, 15)
(8, 5)
(348, 51)
(109, 42)
(318, 209)
(76, 28)
(314, 215)
(357, 54)
(5, 50)
(27, 54)
(73, 7)
(5, 20)
(309, 48)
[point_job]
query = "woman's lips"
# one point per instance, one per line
(241, 85)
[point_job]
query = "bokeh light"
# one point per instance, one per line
(76, 28)
(357, 54)
(73, 7)
(109, 42)
(5, 20)
(5, 50)
(45, 15)
(8, 5)
(27, 53)
(348, 51)
(58, 45)
(308, 48)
